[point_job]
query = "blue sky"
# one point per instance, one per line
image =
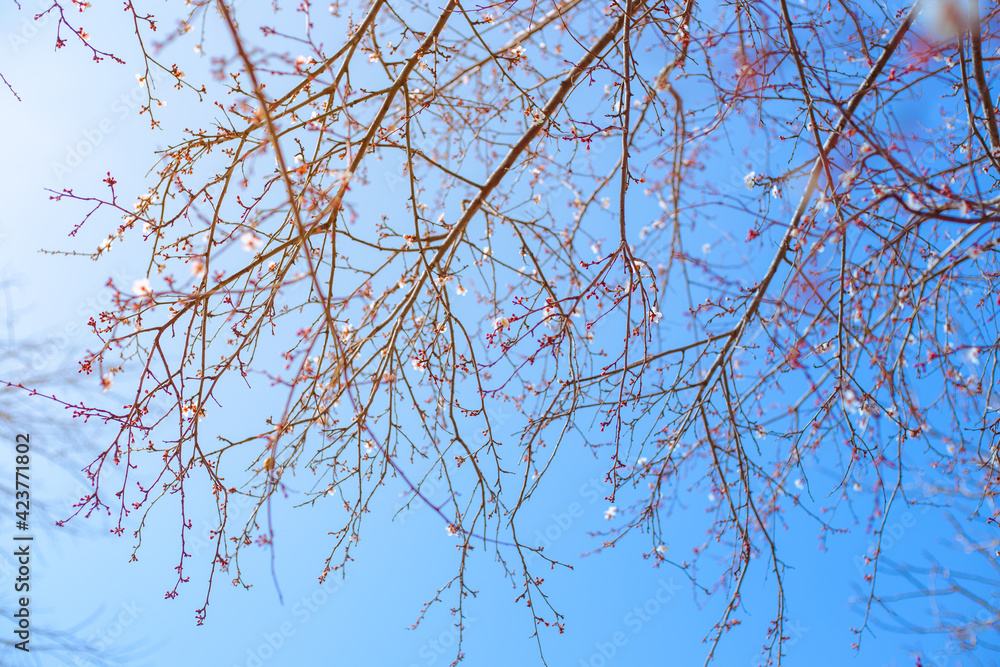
(619, 610)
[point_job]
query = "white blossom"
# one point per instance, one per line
(141, 287)
(847, 178)
(197, 268)
(822, 203)
(251, 242)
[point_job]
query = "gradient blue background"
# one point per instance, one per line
(84, 584)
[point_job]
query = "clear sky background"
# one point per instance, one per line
(619, 610)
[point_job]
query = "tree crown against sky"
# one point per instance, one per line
(742, 256)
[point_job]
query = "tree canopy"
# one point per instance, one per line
(741, 254)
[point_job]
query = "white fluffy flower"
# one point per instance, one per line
(847, 178)
(822, 203)
(251, 242)
(141, 287)
(197, 268)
